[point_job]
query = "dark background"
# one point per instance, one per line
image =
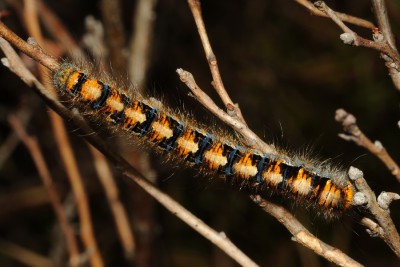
(289, 72)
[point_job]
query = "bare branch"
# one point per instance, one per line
(388, 53)
(37, 156)
(303, 236)
(232, 108)
(382, 216)
(344, 17)
(354, 133)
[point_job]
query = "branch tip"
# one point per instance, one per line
(386, 198)
(355, 174)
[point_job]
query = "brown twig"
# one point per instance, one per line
(353, 133)
(33, 50)
(65, 149)
(187, 78)
(383, 22)
(344, 17)
(11, 141)
(232, 108)
(374, 228)
(140, 43)
(23, 255)
(303, 236)
(382, 18)
(382, 216)
(221, 241)
(380, 44)
(44, 173)
(114, 34)
(120, 217)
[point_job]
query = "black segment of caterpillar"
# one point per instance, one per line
(329, 192)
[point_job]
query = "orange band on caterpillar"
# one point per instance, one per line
(331, 192)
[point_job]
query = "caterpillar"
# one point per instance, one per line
(326, 189)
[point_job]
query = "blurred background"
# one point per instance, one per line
(287, 70)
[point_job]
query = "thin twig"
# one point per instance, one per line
(24, 114)
(114, 34)
(120, 216)
(223, 243)
(141, 41)
(37, 156)
(383, 22)
(24, 255)
(187, 78)
(382, 18)
(389, 54)
(353, 133)
(232, 108)
(373, 227)
(382, 216)
(344, 17)
(65, 149)
(303, 236)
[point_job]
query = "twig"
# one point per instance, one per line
(383, 22)
(218, 239)
(114, 33)
(120, 217)
(187, 78)
(140, 43)
(232, 108)
(389, 54)
(303, 236)
(11, 141)
(20, 200)
(373, 227)
(37, 156)
(344, 17)
(24, 255)
(66, 152)
(382, 216)
(223, 243)
(381, 16)
(353, 133)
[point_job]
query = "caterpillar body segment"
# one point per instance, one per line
(330, 192)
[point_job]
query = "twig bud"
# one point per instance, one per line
(385, 198)
(347, 38)
(355, 173)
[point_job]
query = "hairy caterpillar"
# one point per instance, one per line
(321, 187)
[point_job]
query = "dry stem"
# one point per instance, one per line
(44, 173)
(382, 216)
(344, 17)
(120, 216)
(140, 43)
(23, 255)
(65, 149)
(353, 133)
(303, 236)
(382, 45)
